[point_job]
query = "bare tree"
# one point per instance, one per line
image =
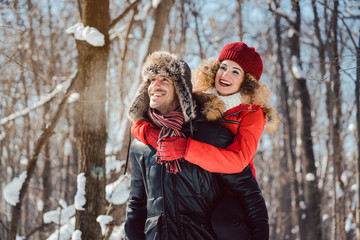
(91, 132)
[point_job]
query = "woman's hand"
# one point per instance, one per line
(172, 148)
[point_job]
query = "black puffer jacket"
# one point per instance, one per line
(178, 206)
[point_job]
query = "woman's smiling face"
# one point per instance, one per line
(228, 78)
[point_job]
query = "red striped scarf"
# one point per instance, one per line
(170, 125)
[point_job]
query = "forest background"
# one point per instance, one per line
(63, 101)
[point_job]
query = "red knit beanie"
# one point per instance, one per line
(248, 59)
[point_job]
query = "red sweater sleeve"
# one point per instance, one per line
(235, 157)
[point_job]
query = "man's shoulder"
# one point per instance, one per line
(139, 147)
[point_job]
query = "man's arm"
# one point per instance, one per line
(246, 189)
(136, 212)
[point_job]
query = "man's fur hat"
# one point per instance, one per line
(167, 64)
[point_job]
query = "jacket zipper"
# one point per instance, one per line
(177, 214)
(163, 193)
(236, 113)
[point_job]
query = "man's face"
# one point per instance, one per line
(162, 94)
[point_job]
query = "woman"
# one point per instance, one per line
(234, 79)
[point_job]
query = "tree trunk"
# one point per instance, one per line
(311, 190)
(289, 158)
(162, 13)
(357, 100)
(92, 135)
(337, 142)
(240, 19)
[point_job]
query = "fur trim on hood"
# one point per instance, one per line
(252, 92)
(167, 64)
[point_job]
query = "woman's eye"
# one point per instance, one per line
(236, 72)
(223, 68)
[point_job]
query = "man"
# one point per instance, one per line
(169, 199)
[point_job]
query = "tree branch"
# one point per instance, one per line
(16, 210)
(122, 15)
(45, 99)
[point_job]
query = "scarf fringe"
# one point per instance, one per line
(171, 166)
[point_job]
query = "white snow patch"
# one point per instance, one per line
(103, 220)
(118, 191)
(325, 217)
(339, 191)
(118, 232)
(12, 189)
(20, 237)
(64, 215)
(113, 164)
(39, 205)
(65, 231)
(76, 235)
(155, 3)
(353, 187)
(80, 199)
(73, 97)
(349, 224)
(62, 203)
(67, 147)
(310, 177)
(24, 161)
(302, 205)
(88, 34)
(345, 176)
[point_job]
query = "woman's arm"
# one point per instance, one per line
(235, 157)
(246, 189)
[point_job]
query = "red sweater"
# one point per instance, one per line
(247, 125)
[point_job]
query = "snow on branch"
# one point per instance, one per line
(80, 199)
(12, 189)
(88, 34)
(43, 100)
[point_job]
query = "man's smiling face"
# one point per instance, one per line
(162, 94)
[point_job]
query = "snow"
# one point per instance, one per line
(39, 205)
(310, 177)
(64, 215)
(24, 161)
(67, 147)
(65, 231)
(291, 32)
(89, 34)
(113, 165)
(80, 199)
(339, 191)
(76, 235)
(302, 205)
(2, 135)
(20, 237)
(345, 176)
(103, 220)
(12, 189)
(73, 97)
(118, 232)
(349, 225)
(118, 191)
(62, 203)
(296, 68)
(325, 217)
(353, 187)
(155, 3)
